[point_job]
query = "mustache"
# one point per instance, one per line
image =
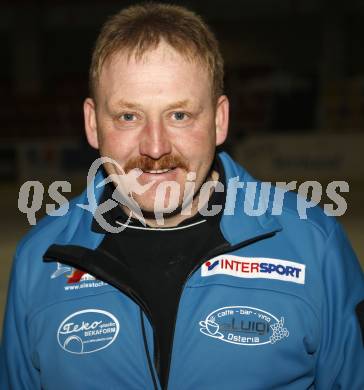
(146, 163)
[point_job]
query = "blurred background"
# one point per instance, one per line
(294, 76)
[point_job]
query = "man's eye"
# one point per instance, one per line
(179, 115)
(128, 117)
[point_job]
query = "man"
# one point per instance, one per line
(203, 296)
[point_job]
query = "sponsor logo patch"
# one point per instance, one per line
(87, 331)
(244, 325)
(76, 279)
(255, 267)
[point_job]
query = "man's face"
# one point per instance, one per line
(156, 114)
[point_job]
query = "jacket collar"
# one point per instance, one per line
(239, 226)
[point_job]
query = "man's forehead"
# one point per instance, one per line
(178, 88)
(162, 73)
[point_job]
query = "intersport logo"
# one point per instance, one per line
(255, 268)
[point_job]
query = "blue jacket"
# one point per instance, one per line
(273, 310)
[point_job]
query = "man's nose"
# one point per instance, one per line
(155, 142)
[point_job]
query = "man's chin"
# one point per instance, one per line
(151, 211)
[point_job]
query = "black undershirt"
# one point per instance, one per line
(160, 260)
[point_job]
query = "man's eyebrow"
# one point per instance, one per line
(126, 104)
(135, 106)
(179, 104)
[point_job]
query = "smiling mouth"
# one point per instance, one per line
(159, 171)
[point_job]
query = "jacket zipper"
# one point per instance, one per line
(147, 350)
(215, 252)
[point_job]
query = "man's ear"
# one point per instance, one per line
(222, 119)
(89, 112)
